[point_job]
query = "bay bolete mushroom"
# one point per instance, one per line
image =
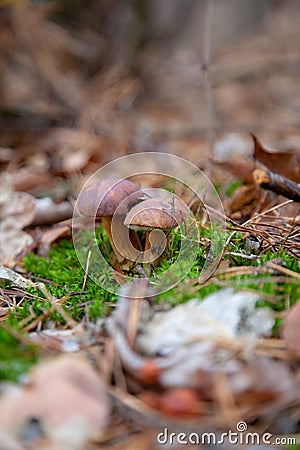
(101, 199)
(157, 216)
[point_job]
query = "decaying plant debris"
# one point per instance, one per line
(81, 368)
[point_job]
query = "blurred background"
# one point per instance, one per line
(83, 82)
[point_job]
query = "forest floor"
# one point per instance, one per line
(203, 338)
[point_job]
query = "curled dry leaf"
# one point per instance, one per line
(16, 212)
(15, 278)
(240, 168)
(65, 397)
(248, 200)
(243, 202)
(233, 153)
(283, 163)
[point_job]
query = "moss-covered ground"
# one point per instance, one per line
(63, 277)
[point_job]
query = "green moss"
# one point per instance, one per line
(15, 357)
(274, 294)
(66, 275)
(65, 278)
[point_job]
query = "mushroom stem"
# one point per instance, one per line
(147, 241)
(106, 222)
(128, 244)
(157, 216)
(134, 239)
(156, 241)
(167, 243)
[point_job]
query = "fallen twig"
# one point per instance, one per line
(277, 183)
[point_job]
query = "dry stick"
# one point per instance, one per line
(284, 270)
(277, 183)
(208, 108)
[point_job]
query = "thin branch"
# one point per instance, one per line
(277, 183)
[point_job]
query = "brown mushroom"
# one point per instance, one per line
(156, 216)
(102, 199)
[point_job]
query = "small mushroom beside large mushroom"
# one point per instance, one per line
(157, 216)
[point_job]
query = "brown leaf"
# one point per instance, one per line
(242, 169)
(180, 402)
(65, 396)
(243, 202)
(17, 211)
(291, 329)
(284, 163)
(177, 402)
(51, 236)
(26, 180)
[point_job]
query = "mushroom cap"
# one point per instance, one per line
(102, 197)
(162, 213)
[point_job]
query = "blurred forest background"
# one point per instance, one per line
(83, 82)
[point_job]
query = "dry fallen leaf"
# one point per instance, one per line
(25, 179)
(75, 148)
(291, 329)
(17, 210)
(177, 402)
(51, 236)
(240, 168)
(65, 397)
(201, 359)
(14, 277)
(243, 202)
(283, 163)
